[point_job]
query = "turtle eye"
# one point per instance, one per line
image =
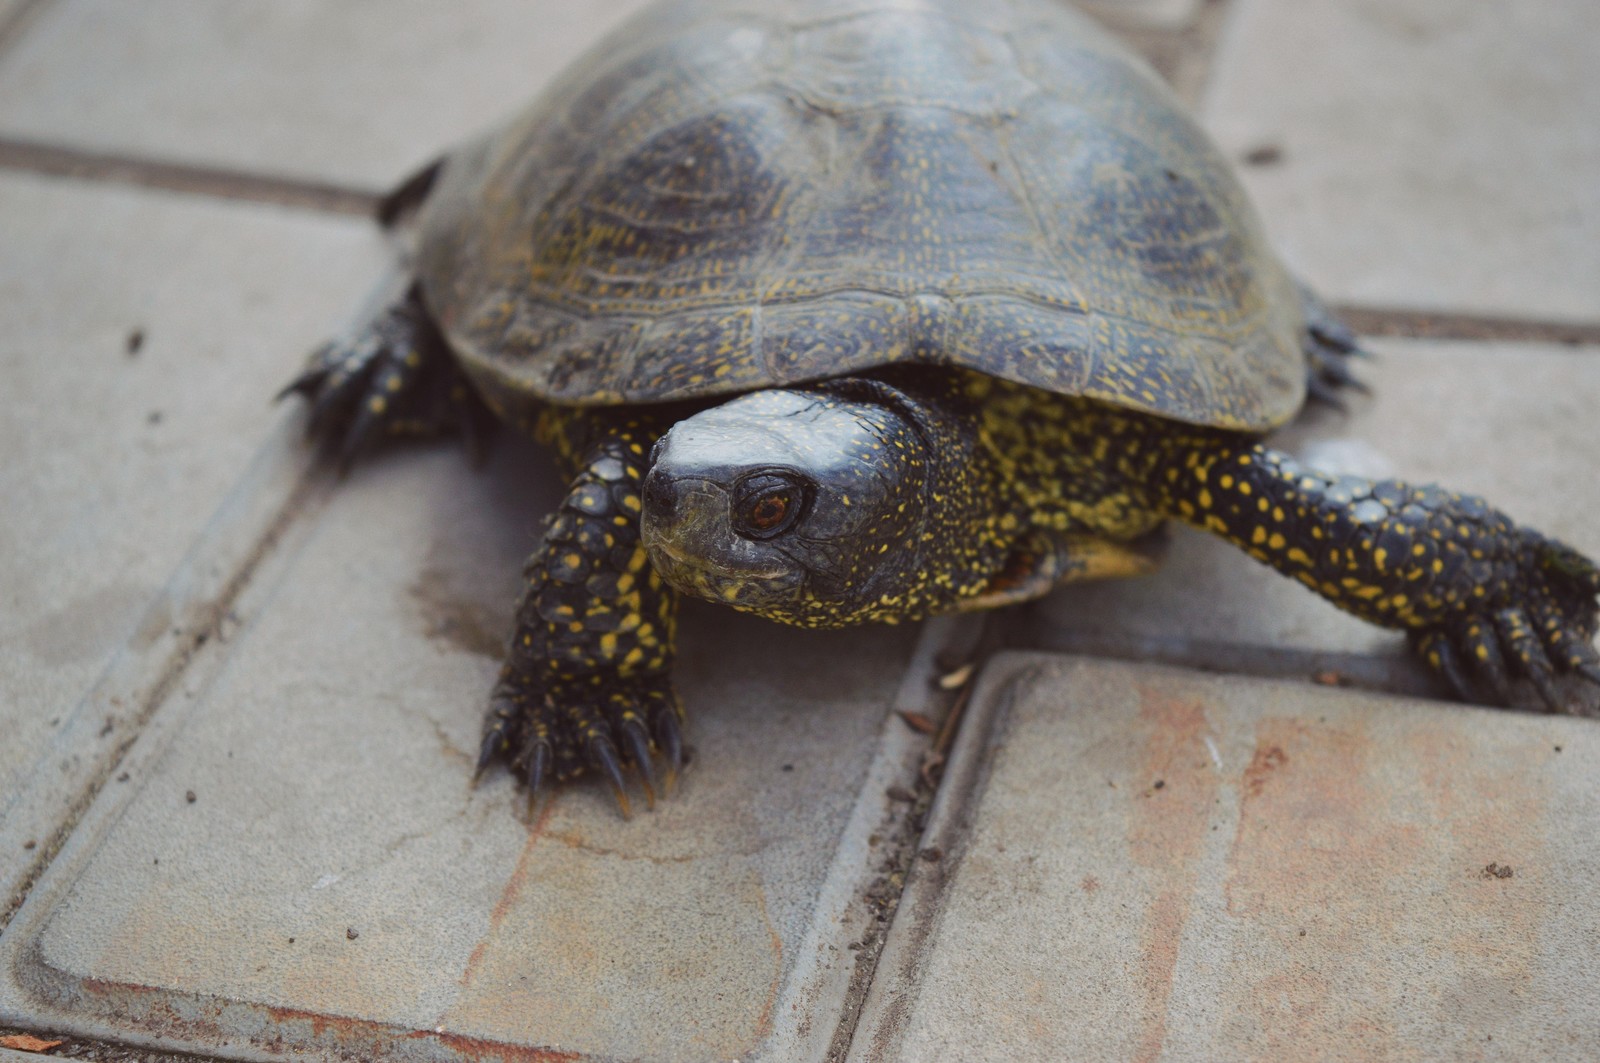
(767, 505)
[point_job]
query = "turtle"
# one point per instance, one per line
(848, 311)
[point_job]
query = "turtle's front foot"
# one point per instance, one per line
(1535, 620)
(393, 377)
(554, 729)
(587, 685)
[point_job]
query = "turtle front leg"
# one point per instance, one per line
(587, 684)
(1481, 598)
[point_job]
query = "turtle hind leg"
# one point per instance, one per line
(1329, 346)
(1485, 601)
(395, 376)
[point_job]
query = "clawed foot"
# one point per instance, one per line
(394, 377)
(559, 729)
(1548, 632)
(1329, 346)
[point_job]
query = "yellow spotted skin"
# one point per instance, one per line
(587, 680)
(1483, 599)
(983, 471)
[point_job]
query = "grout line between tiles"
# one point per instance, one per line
(217, 182)
(1445, 325)
(1380, 673)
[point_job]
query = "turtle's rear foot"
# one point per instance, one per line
(1329, 345)
(1535, 619)
(393, 377)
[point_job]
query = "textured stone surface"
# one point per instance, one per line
(357, 92)
(317, 784)
(8, 8)
(1431, 153)
(116, 456)
(1512, 422)
(1143, 14)
(1137, 863)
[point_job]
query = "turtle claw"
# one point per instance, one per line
(669, 735)
(1517, 635)
(488, 750)
(497, 731)
(638, 745)
(1437, 650)
(604, 756)
(1321, 391)
(536, 759)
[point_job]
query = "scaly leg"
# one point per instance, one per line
(587, 682)
(1478, 595)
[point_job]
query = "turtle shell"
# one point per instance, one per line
(735, 194)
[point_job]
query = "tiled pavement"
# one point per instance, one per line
(239, 698)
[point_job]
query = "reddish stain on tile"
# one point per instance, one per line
(1355, 877)
(1166, 835)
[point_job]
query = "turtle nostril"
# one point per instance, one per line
(660, 496)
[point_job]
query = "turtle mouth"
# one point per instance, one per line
(753, 589)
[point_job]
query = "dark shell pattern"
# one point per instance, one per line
(736, 194)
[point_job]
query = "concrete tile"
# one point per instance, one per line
(1512, 422)
(1433, 154)
(328, 751)
(143, 336)
(357, 92)
(1142, 863)
(1143, 14)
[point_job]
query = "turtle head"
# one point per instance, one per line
(808, 506)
